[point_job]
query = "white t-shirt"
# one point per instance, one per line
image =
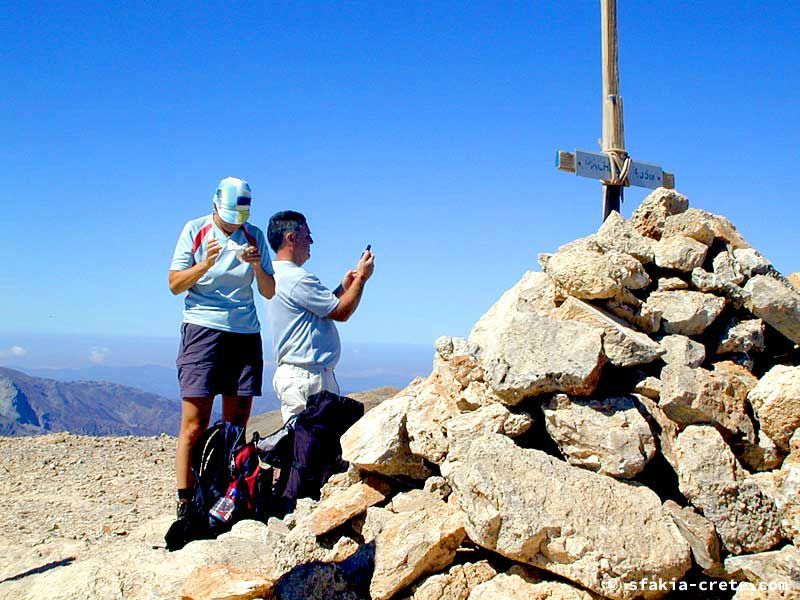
(302, 333)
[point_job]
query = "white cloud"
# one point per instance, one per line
(98, 355)
(13, 352)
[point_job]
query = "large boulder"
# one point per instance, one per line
(342, 506)
(591, 274)
(685, 312)
(680, 252)
(413, 543)
(776, 402)
(651, 216)
(378, 442)
(431, 406)
(624, 346)
(682, 350)
(586, 527)
(700, 534)
(776, 302)
(533, 293)
(780, 567)
(742, 336)
(694, 395)
(456, 583)
(607, 435)
(711, 479)
(618, 234)
(704, 226)
(529, 355)
(516, 584)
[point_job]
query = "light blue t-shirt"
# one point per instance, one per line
(222, 298)
(302, 333)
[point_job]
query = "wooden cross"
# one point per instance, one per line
(613, 166)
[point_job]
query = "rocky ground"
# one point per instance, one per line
(67, 496)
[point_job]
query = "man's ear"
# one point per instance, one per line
(290, 237)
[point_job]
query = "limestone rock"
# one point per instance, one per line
(727, 269)
(227, 582)
(624, 347)
(701, 535)
(635, 312)
(651, 216)
(751, 263)
(343, 549)
(608, 436)
(777, 303)
(587, 527)
(433, 404)
(514, 586)
(533, 293)
(699, 396)
(779, 566)
(665, 429)
(712, 283)
(680, 252)
(681, 350)
(794, 279)
(712, 480)
(618, 234)
(456, 583)
(530, 355)
(764, 455)
(494, 418)
(648, 386)
(742, 336)
(591, 274)
(669, 284)
(412, 544)
(341, 507)
(776, 402)
(685, 312)
(704, 226)
(378, 442)
(693, 223)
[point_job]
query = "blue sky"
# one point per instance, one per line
(427, 129)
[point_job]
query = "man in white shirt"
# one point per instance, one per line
(302, 314)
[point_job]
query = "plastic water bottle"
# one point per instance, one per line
(223, 508)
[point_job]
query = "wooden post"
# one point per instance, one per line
(613, 130)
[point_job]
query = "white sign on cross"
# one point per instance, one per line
(613, 165)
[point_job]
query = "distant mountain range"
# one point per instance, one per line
(145, 400)
(34, 405)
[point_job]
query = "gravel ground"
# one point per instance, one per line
(67, 496)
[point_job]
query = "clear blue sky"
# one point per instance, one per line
(427, 129)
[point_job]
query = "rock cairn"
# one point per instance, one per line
(622, 424)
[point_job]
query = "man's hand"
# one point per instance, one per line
(348, 278)
(212, 253)
(366, 265)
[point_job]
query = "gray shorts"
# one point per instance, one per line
(212, 362)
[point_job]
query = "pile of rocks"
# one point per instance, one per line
(622, 424)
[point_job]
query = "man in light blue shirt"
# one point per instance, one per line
(302, 314)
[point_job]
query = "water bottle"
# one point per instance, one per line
(223, 508)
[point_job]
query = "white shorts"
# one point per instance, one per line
(293, 385)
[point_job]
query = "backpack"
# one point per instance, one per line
(221, 461)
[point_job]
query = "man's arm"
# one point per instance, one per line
(351, 294)
(180, 281)
(348, 301)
